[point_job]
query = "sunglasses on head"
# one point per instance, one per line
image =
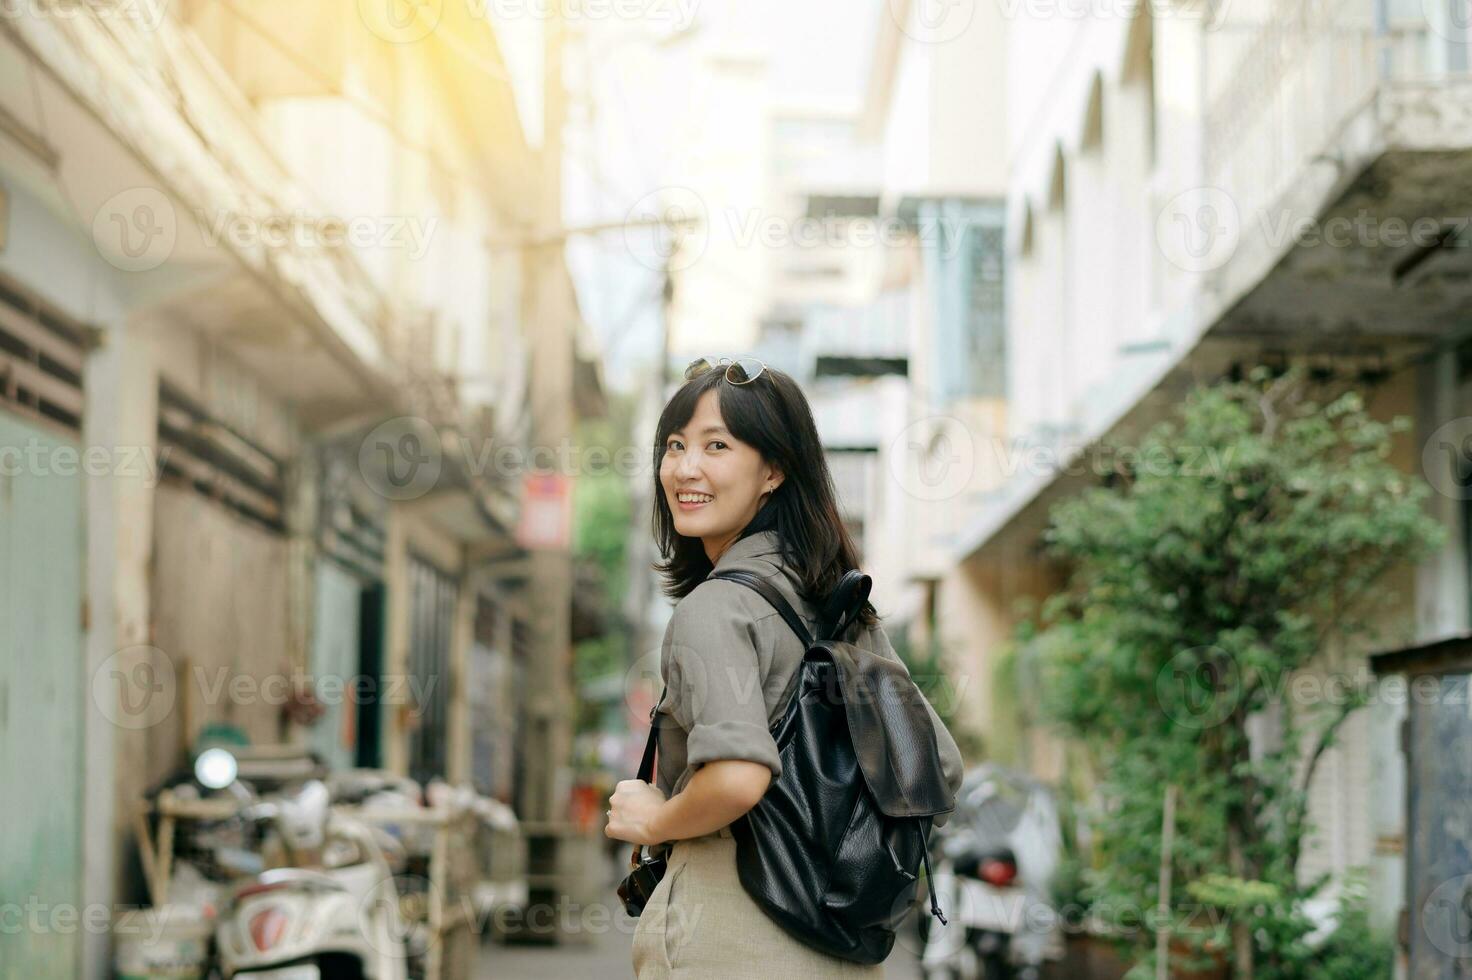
(739, 370)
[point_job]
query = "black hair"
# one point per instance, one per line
(771, 414)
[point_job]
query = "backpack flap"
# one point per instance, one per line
(892, 733)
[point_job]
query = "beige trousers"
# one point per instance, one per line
(700, 923)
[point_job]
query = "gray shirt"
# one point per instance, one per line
(728, 662)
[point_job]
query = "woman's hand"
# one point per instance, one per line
(633, 807)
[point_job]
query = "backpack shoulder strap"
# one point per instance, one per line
(769, 592)
(646, 764)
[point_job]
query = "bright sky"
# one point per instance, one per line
(639, 109)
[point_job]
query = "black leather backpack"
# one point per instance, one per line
(833, 851)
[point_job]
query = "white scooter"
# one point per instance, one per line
(332, 915)
(997, 856)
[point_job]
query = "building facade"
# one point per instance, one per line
(1193, 190)
(257, 402)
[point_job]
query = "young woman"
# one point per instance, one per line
(742, 483)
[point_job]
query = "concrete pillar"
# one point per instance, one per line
(122, 411)
(395, 635)
(457, 754)
(549, 318)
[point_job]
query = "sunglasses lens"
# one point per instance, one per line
(744, 369)
(697, 367)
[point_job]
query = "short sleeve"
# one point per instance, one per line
(715, 674)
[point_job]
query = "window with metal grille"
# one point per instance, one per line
(41, 357)
(986, 327)
(201, 451)
(350, 520)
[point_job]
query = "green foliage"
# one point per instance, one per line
(1235, 542)
(602, 523)
(1354, 951)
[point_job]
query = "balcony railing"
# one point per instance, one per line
(1282, 79)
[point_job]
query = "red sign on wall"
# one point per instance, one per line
(546, 512)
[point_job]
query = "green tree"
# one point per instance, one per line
(602, 523)
(1241, 541)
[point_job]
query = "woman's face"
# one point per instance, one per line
(721, 479)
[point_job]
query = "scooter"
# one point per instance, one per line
(331, 914)
(980, 886)
(1000, 925)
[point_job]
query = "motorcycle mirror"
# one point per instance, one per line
(215, 768)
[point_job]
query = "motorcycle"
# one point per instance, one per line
(328, 910)
(1000, 925)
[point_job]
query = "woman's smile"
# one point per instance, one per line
(693, 500)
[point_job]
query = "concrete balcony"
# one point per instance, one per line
(1340, 146)
(166, 166)
(1327, 217)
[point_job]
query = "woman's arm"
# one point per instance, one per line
(714, 674)
(719, 792)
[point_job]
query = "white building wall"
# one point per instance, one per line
(945, 118)
(723, 170)
(1105, 296)
(968, 110)
(1101, 304)
(906, 141)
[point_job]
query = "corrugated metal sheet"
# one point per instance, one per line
(220, 617)
(1440, 824)
(42, 691)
